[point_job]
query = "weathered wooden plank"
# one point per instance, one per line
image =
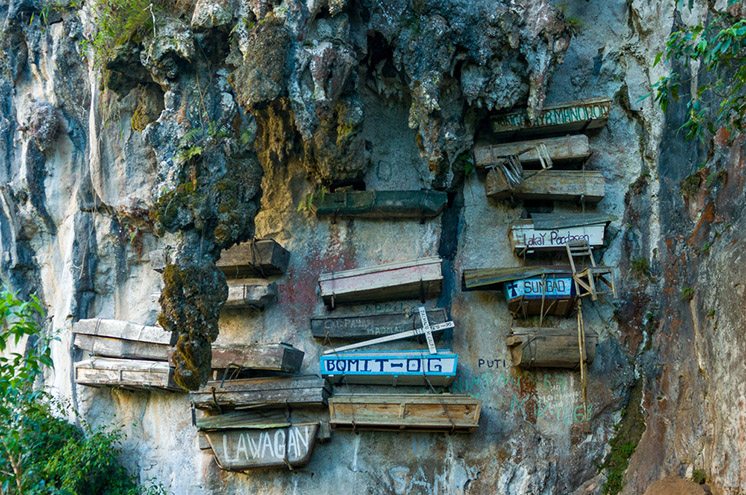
(494, 278)
(120, 348)
(391, 281)
(390, 367)
(564, 148)
(258, 419)
(259, 258)
(267, 357)
(566, 117)
(124, 330)
(568, 185)
(262, 392)
(244, 296)
(419, 412)
(524, 236)
(546, 221)
(367, 326)
(381, 204)
(127, 373)
(246, 449)
(549, 347)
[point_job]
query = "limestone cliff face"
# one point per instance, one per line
(215, 127)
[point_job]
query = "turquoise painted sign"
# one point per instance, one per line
(558, 287)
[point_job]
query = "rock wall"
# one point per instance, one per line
(233, 113)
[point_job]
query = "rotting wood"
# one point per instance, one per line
(417, 412)
(245, 296)
(420, 278)
(549, 347)
(125, 373)
(554, 119)
(559, 149)
(126, 330)
(254, 448)
(247, 393)
(120, 348)
(280, 357)
(568, 185)
(258, 258)
(390, 367)
(381, 204)
(375, 325)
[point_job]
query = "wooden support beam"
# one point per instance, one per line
(555, 119)
(249, 393)
(411, 412)
(381, 204)
(562, 185)
(560, 149)
(125, 373)
(549, 347)
(369, 326)
(421, 278)
(258, 258)
(247, 296)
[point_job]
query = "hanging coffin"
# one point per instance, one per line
(549, 347)
(382, 204)
(561, 185)
(265, 357)
(259, 258)
(390, 367)
(122, 339)
(125, 373)
(247, 296)
(545, 232)
(370, 326)
(559, 149)
(555, 119)
(421, 278)
(399, 412)
(247, 393)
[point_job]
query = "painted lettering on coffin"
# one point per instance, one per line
(388, 365)
(536, 288)
(266, 445)
(553, 238)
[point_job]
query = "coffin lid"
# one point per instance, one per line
(483, 278)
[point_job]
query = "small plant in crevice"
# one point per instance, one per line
(686, 294)
(699, 476)
(641, 267)
(306, 204)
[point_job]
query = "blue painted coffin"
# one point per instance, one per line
(525, 295)
(390, 367)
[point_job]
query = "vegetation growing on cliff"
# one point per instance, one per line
(39, 451)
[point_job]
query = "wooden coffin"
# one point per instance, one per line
(369, 326)
(122, 339)
(555, 119)
(549, 347)
(248, 393)
(560, 149)
(246, 296)
(390, 367)
(418, 412)
(263, 446)
(259, 258)
(264, 418)
(552, 232)
(567, 185)
(279, 357)
(421, 278)
(125, 373)
(381, 204)
(548, 295)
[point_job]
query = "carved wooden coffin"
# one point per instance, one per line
(279, 357)
(566, 117)
(568, 185)
(247, 393)
(263, 446)
(552, 232)
(259, 258)
(421, 278)
(549, 347)
(122, 339)
(390, 367)
(369, 326)
(125, 373)
(246, 296)
(559, 149)
(417, 412)
(382, 204)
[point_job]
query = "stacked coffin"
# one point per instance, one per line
(123, 354)
(356, 363)
(266, 421)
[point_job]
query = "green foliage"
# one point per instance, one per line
(641, 267)
(41, 453)
(699, 476)
(719, 46)
(623, 445)
(687, 293)
(306, 204)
